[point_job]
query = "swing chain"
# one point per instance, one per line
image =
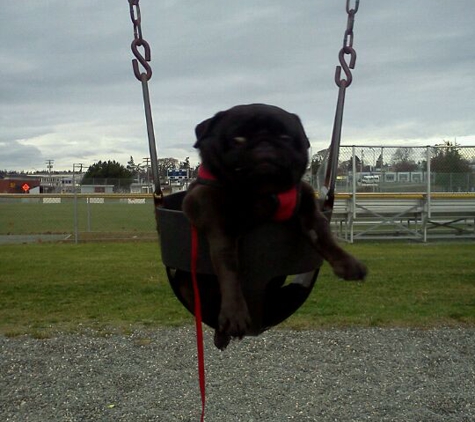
(139, 42)
(347, 48)
(327, 190)
(144, 77)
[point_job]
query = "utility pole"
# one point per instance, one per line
(147, 167)
(49, 166)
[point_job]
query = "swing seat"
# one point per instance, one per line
(267, 256)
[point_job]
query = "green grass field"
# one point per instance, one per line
(112, 216)
(48, 288)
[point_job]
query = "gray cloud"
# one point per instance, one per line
(67, 91)
(15, 154)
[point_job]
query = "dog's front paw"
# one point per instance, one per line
(221, 340)
(349, 268)
(234, 319)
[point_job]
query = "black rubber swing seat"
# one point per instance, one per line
(267, 256)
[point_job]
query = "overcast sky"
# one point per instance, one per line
(67, 91)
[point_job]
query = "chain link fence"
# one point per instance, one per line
(400, 169)
(107, 210)
(73, 218)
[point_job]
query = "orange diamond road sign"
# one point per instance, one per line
(26, 187)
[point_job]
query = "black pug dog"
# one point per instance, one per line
(251, 154)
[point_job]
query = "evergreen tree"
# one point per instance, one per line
(108, 173)
(448, 159)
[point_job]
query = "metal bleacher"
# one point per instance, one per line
(414, 216)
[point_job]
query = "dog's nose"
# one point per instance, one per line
(265, 151)
(264, 144)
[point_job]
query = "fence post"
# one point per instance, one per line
(88, 199)
(75, 202)
(429, 176)
(427, 204)
(353, 165)
(353, 196)
(75, 206)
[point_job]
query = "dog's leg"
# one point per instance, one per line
(317, 228)
(344, 264)
(234, 318)
(203, 210)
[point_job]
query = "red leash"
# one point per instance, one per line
(198, 320)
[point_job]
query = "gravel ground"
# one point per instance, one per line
(337, 375)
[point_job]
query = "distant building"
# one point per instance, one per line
(59, 182)
(20, 184)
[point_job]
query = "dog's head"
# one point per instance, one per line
(254, 146)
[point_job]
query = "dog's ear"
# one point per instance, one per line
(204, 129)
(302, 133)
(201, 130)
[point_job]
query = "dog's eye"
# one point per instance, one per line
(240, 140)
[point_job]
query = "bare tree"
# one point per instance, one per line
(402, 160)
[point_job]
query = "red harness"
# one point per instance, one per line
(286, 202)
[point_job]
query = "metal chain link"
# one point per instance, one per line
(347, 48)
(138, 41)
(136, 17)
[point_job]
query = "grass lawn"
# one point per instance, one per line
(112, 216)
(46, 288)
